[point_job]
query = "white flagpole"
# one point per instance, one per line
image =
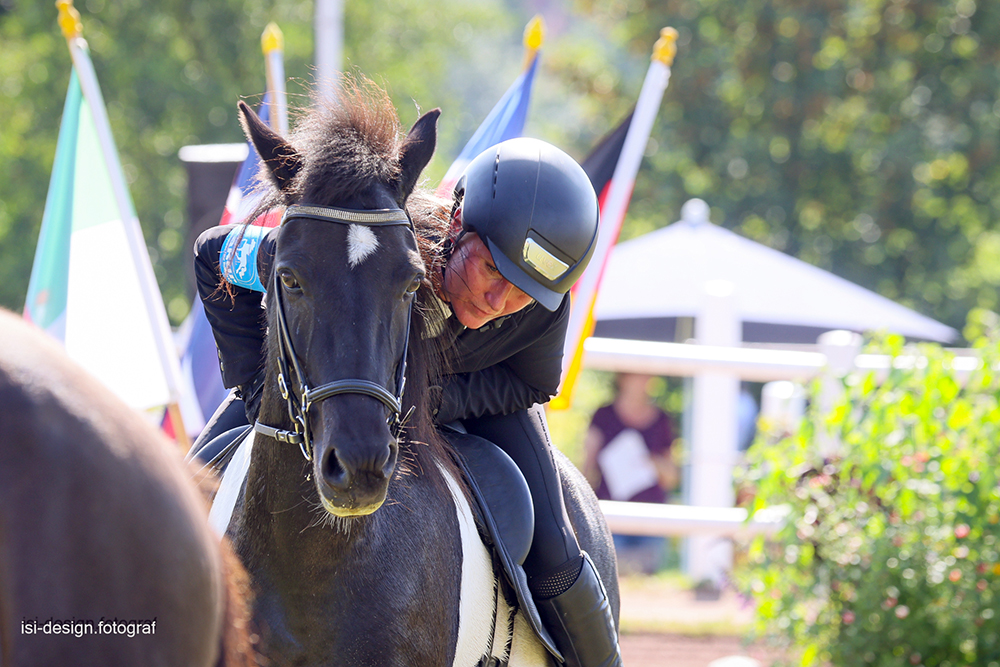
(69, 21)
(273, 44)
(613, 211)
(329, 36)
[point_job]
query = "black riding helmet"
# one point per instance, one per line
(535, 209)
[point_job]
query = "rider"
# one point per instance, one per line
(524, 220)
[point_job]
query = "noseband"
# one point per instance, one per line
(299, 402)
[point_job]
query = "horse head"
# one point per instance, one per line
(341, 291)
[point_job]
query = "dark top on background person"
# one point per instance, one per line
(628, 446)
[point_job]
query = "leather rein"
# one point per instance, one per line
(299, 402)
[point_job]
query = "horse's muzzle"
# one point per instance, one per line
(353, 485)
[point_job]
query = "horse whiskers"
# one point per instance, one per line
(324, 519)
(289, 509)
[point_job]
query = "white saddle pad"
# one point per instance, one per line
(231, 486)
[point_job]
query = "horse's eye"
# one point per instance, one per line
(415, 285)
(289, 281)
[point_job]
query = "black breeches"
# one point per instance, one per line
(524, 436)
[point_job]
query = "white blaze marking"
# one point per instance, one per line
(361, 242)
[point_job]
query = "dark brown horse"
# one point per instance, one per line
(106, 557)
(358, 537)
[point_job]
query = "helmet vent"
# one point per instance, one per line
(496, 170)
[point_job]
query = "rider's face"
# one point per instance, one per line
(474, 287)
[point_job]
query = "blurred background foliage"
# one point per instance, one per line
(858, 135)
(889, 553)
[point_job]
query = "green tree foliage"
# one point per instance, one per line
(858, 135)
(890, 555)
(171, 73)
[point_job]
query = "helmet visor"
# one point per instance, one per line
(517, 276)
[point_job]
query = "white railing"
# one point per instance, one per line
(717, 369)
(750, 364)
(685, 520)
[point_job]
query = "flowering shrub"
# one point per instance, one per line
(891, 553)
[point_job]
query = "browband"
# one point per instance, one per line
(376, 218)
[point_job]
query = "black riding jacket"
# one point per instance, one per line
(509, 364)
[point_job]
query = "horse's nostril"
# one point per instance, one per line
(332, 470)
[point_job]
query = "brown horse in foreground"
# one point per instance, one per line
(106, 557)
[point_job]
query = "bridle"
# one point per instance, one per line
(299, 402)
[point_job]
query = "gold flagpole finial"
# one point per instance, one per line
(272, 39)
(534, 35)
(69, 19)
(666, 47)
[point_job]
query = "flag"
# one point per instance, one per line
(200, 374)
(92, 285)
(242, 199)
(600, 164)
(612, 167)
(506, 119)
(199, 360)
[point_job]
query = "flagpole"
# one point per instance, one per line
(69, 21)
(506, 119)
(581, 323)
(272, 42)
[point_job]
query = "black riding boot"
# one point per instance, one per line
(581, 622)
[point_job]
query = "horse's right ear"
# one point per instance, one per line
(281, 160)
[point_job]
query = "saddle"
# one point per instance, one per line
(506, 514)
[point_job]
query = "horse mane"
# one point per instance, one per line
(345, 143)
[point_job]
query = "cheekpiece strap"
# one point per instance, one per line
(375, 218)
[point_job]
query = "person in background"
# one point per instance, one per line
(628, 459)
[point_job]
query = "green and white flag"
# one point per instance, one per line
(92, 284)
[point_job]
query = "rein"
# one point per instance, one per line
(299, 402)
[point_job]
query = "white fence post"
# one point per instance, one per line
(714, 432)
(840, 348)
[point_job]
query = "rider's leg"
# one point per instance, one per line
(565, 584)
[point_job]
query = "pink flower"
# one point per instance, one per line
(848, 617)
(961, 530)
(902, 611)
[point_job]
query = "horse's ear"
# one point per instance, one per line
(417, 150)
(282, 161)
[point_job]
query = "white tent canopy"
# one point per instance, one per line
(662, 275)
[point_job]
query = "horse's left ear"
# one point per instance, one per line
(417, 150)
(281, 160)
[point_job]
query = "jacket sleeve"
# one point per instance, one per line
(233, 311)
(529, 376)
